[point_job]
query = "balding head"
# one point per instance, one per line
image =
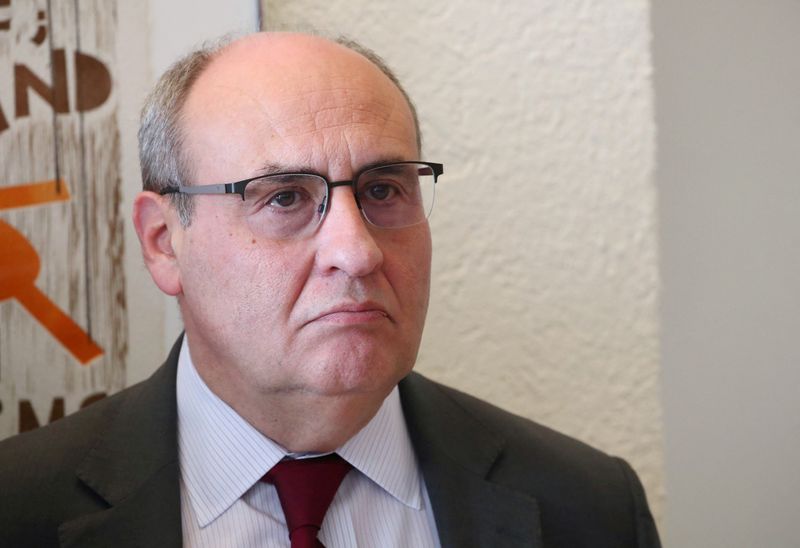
(163, 158)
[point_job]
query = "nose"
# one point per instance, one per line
(345, 240)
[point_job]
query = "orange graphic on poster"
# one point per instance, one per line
(20, 265)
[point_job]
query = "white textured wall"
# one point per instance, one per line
(545, 281)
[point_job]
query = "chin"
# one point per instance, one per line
(370, 374)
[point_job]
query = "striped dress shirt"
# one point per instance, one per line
(382, 502)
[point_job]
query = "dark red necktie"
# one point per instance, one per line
(306, 488)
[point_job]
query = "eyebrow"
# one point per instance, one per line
(275, 169)
(270, 168)
(381, 162)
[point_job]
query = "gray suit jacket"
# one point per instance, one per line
(109, 476)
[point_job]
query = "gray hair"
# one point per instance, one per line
(162, 157)
(161, 154)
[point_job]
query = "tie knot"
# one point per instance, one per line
(306, 488)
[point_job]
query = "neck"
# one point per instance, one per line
(296, 417)
(308, 422)
(298, 420)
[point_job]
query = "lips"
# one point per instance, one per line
(353, 313)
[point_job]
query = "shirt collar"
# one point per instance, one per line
(382, 451)
(222, 455)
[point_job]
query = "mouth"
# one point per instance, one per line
(353, 314)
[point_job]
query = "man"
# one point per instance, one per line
(286, 209)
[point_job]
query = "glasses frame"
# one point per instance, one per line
(239, 186)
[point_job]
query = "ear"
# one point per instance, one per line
(157, 225)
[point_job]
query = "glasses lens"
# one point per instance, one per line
(396, 195)
(285, 206)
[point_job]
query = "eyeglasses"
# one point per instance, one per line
(292, 205)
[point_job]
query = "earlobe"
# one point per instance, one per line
(155, 221)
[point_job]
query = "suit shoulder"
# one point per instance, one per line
(572, 482)
(532, 457)
(71, 436)
(37, 473)
(59, 444)
(521, 433)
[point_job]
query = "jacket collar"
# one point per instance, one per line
(134, 469)
(456, 453)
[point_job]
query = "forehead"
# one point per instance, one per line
(296, 96)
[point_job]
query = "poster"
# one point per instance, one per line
(63, 319)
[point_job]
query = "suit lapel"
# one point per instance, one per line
(134, 469)
(456, 454)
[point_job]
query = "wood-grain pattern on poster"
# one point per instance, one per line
(63, 319)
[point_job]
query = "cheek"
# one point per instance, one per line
(216, 261)
(209, 271)
(265, 281)
(280, 270)
(410, 268)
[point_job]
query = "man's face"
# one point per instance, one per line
(335, 313)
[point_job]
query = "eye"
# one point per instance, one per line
(381, 191)
(285, 198)
(288, 193)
